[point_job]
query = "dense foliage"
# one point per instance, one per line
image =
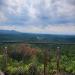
(25, 58)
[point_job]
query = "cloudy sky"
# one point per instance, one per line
(38, 16)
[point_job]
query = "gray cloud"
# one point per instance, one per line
(44, 13)
(72, 2)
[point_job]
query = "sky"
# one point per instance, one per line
(38, 16)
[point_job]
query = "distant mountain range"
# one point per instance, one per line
(11, 35)
(8, 32)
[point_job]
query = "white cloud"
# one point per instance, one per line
(14, 6)
(51, 29)
(3, 18)
(51, 7)
(8, 27)
(30, 28)
(64, 8)
(32, 12)
(60, 29)
(36, 8)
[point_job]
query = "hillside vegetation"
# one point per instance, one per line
(22, 58)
